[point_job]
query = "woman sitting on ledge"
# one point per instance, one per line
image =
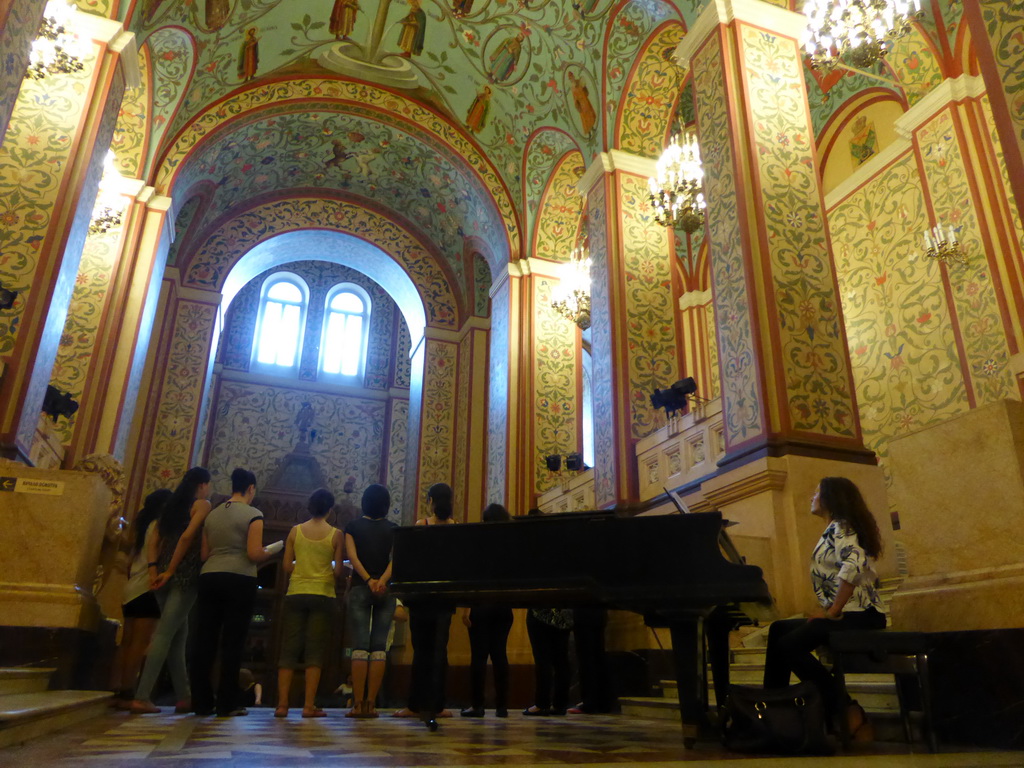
(845, 584)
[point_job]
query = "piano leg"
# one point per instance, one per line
(690, 661)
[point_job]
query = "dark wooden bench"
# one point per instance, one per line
(901, 654)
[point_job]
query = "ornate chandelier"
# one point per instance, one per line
(108, 211)
(57, 50)
(677, 190)
(941, 244)
(859, 31)
(571, 299)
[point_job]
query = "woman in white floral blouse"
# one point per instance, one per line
(846, 586)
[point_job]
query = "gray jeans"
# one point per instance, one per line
(168, 643)
(370, 618)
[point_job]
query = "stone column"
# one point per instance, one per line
(634, 334)
(177, 387)
(789, 410)
(503, 435)
(437, 423)
(471, 419)
(995, 35)
(786, 379)
(117, 291)
(50, 165)
(700, 355)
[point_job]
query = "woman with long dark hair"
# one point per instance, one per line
(845, 583)
(139, 605)
(428, 630)
(180, 520)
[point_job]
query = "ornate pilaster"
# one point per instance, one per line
(116, 290)
(785, 371)
(60, 128)
(503, 434)
(634, 336)
(438, 418)
(697, 326)
(995, 35)
(956, 151)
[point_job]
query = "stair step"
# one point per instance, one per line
(24, 679)
(26, 716)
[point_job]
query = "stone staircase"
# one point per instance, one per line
(28, 710)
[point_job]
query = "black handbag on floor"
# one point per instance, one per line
(787, 721)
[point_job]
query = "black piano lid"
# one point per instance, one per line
(577, 558)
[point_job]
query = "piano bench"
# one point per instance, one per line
(901, 654)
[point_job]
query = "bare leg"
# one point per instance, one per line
(359, 669)
(284, 685)
(376, 677)
(134, 647)
(312, 683)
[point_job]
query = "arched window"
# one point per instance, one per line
(282, 316)
(346, 330)
(587, 426)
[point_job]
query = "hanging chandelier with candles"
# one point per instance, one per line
(677, 194)
(57, 50)
(571, 299)
(859, 32)
(108, 212)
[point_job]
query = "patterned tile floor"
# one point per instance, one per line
(260, 740)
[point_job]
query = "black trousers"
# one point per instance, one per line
(488, 636)
(224, 610)
(791, 643)
(588, 625)
(550, 664)
(428, 630)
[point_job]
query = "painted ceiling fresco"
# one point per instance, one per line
(524, 82)
(314, 148)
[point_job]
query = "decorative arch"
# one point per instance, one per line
(224, 247)
(561, 207)
(651, 93)
(544, 150)
(172, 55)
(629, 29)
(964, 50)
(351, 97)
(876, 109)
(916, 63)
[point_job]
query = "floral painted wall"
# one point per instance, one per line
(900, 327)
(78, 342)
(253, 426)
(19, 22)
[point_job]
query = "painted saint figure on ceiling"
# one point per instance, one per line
(461, 8)
(505, 58)
(217, 12)
(478, 110)
(343, 18)
(414, 26)
(249, 58)
(581, 100)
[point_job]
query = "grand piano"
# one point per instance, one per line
(670, 568)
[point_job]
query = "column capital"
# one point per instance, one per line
(947, 92)
(615, 160)
(757, 12)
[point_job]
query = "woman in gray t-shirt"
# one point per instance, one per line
(232, 548)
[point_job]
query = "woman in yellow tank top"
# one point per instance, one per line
(313, 558)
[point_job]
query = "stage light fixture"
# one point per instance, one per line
(574, 462)
(554, 462)
(676, 397)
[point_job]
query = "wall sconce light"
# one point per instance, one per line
(941, 243)
(57, 50)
